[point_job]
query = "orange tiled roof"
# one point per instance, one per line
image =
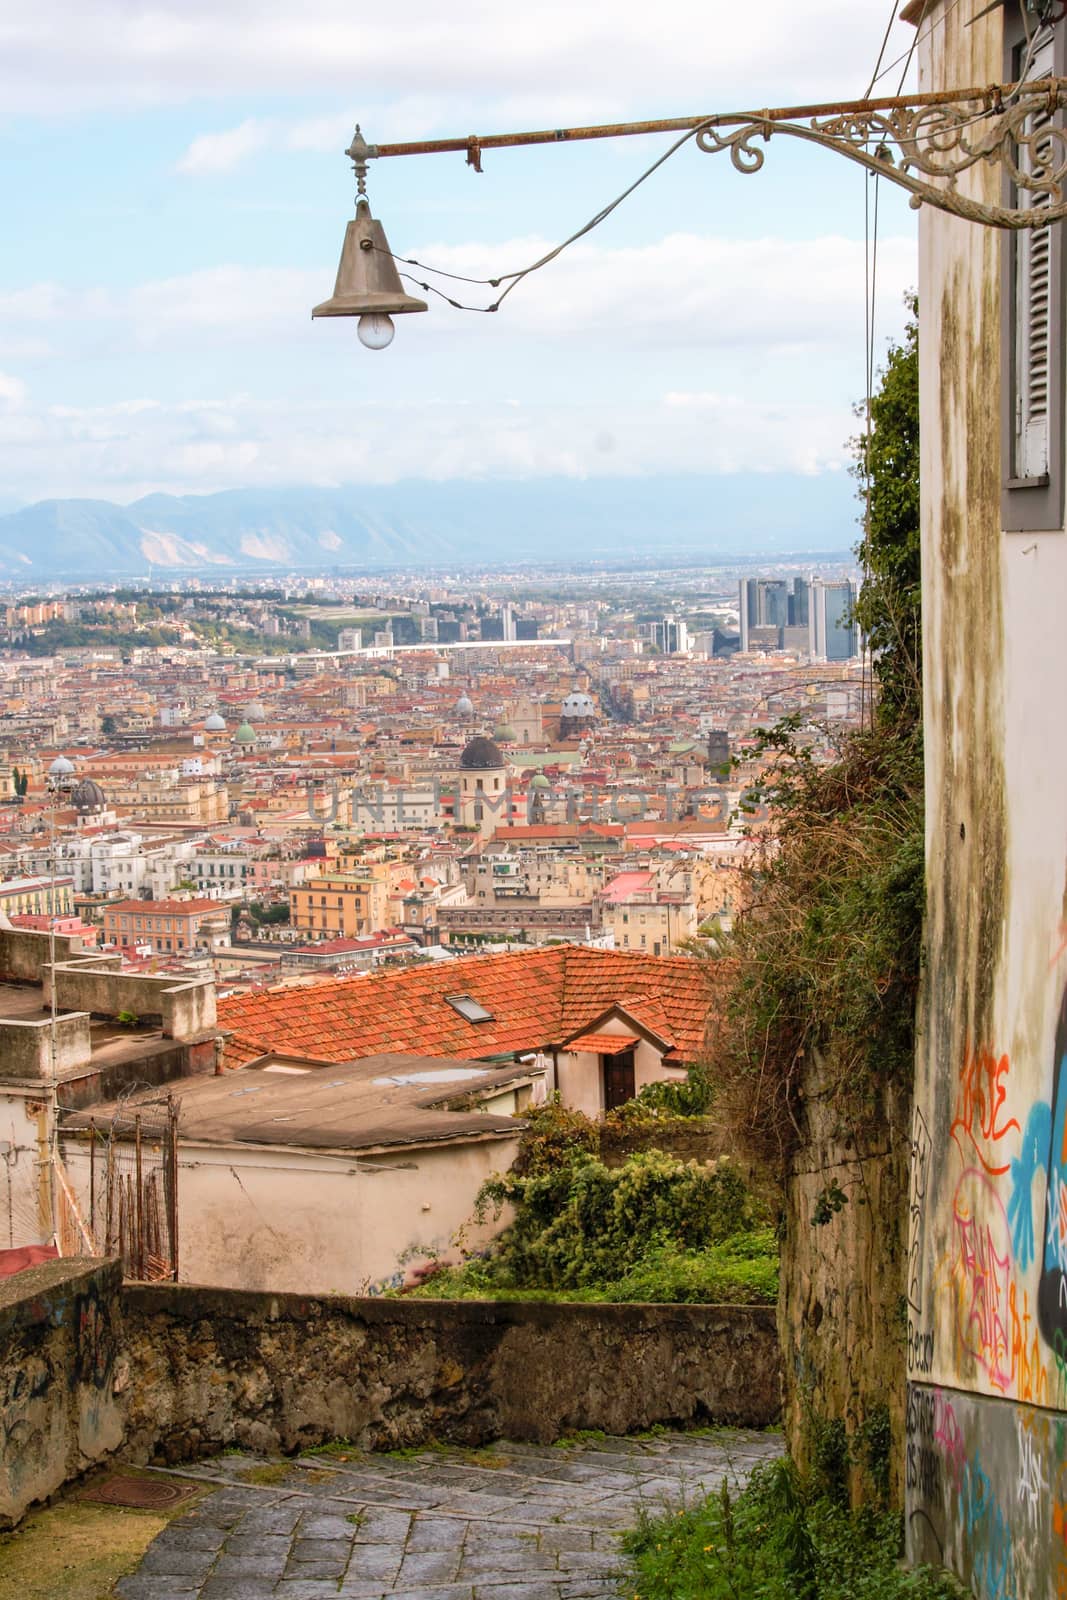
(604, 1044)
(535, 997)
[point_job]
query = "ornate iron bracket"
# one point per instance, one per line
(921, 142)
(925, 148)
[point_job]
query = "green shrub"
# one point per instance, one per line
(774, 1541)
(689, 1098)
(742, 1270)
(553, 1137)
(583, 1223)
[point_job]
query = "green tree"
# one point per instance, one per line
(887, 466)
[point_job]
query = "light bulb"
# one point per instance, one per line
(375, 330)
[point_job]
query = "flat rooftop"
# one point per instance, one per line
(380, 1101)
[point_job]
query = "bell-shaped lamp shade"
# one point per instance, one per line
(368, 285)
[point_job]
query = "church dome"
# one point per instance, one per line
(539, 781)
(245, 734)
(481, 755)
(215, 723)
(464, 706)
(88, 796)
(504, 733)
(578, 705)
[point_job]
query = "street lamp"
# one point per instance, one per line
(368, 284)
(921, 143)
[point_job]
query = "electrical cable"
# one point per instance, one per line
(513, 279)
(918, 38)
(881, 53)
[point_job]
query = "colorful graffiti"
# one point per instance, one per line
(986, 1464)
(987, 1492)
(980, 1119)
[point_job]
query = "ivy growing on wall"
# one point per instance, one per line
(829, 949)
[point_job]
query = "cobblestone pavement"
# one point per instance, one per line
(507, 1522)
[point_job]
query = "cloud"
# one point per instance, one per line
(123, 450)
(688, 289)
(111, 54)
(222, 152)
(12, 392)
(792, 297)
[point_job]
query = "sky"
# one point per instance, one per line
(176, 194)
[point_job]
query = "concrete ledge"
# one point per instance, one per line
(26, 1046)
(24, 953)
(182, 1009)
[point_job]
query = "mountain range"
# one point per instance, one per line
(418, 523)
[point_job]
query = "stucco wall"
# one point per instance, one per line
(988, 1226)
(25, 1194)
(207, 1369)
(183, 1009)
(297, 1221)
(26, 1046)
(59, 1333)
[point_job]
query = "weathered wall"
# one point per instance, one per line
(988, 1223)
(183, 1009)
(297, 1221)
(170, 1373)
(26, 1196)
(59, 1335)
(24, 954)
(26, 1046)
(207, 1369)
(842, 1277)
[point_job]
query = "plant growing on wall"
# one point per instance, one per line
(829, 947)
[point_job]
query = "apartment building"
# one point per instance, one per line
(167, 925)
(345, 905)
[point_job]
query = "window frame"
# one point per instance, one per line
(1032, 504)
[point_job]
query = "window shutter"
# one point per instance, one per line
(1033, 305)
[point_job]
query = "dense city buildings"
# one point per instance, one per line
(274, 783)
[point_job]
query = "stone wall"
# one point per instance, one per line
(169, 1372)
(211, 1368)
(59, 1339)
(841, 1304)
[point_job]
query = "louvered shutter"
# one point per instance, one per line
(1033, 306)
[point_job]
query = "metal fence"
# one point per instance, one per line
(133, 1190)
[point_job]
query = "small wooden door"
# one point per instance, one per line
(618, 1079)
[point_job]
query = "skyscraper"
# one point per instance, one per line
(832, 635)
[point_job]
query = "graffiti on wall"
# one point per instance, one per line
(986, 1466)
(1003, 1262)
(987, 1492)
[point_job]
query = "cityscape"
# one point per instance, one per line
(289, 761)
(533, 895)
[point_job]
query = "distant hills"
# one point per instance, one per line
(418, 523)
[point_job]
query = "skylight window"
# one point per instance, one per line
(469, 1008)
